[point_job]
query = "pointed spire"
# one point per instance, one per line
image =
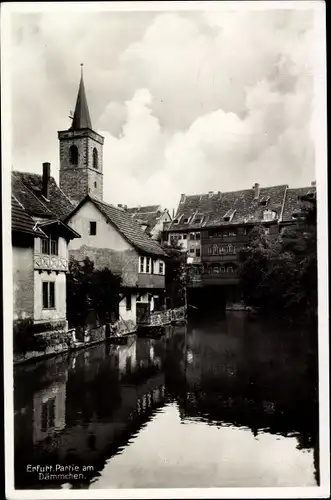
(81, 117)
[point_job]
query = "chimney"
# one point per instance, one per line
(45, 180)
(120, 205)
(125, 207)
(210, 194)
(173, 213)
(256, 188)
(313, 183)
(182, 198)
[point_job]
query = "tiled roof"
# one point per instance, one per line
(26, 188)
(126, 225)
(293, 204)
(21, 221)
(149, 219)
(221, 209)
(144, 210)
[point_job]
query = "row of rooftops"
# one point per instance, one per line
(38, 196)
(249, 206)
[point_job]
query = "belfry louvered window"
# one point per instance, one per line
(95, 158)
(73, 155)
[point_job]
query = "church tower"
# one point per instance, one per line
(81, 154)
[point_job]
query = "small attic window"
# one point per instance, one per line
(186, 220)
(228, 216)
(175, 221)
(264, 200)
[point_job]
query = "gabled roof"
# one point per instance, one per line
(27, 189)
(81, 117)
(58, 224)
(293, 204)
(22, 222)
(213, 207)
(125, 225)
(148, 215)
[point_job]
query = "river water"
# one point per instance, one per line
(223, 403)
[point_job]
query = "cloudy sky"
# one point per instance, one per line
(188, 102)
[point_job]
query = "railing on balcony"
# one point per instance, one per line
(44, 262)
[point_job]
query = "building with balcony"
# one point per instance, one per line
(39, 247)
(212, 228)
(152, 218)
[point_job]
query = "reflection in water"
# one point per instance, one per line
(230, 403)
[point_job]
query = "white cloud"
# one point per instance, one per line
(187, 103)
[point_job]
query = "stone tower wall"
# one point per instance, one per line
(79, 180)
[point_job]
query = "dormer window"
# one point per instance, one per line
(198, 219)
(264, 200)
(228, 216)
(269, 215)
(175, 221)
(186, 220)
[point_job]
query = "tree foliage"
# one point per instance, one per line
(279, 275)
(176, 273)
(91, 292)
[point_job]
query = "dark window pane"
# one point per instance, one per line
(95, 158)
(54, 247)
(44, 417)
(52, 294)
(45, 246)
(128, 302)
(93, 228)
(45, 294)
(73, 155)
(51, 412)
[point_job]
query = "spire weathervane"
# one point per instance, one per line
(81, 69)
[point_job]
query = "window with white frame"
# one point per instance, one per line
(148, 264)
(48, 291)
(49, 246)
(161, 267)
(141, 264)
